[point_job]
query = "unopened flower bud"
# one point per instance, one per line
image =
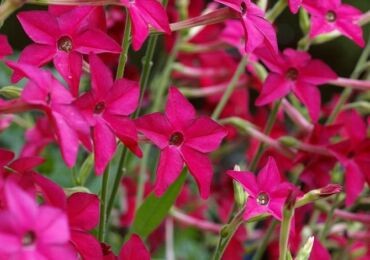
(239, 193)
(289, 141)
(329, 190)
(11, 92)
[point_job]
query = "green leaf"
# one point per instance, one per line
(305, 252)
(154, 209)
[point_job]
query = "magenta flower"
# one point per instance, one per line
(331, 15)
(63, 39)
(45, 93)
(294, 71)
(182, 137)
(5, 48)
(107, 108)
(267, 192)
(83, 216)
(144, 13)
(258, 31)
(294, 5)
(133, 249)
(29, 231)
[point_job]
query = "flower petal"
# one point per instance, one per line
(275, 87)
(269, 176)
(83, 210)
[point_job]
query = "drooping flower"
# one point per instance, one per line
(29, 231)
(45, 93)
(182, 138)
(5, 48)
(144, 13)
(134, 249)
(107, 108)
(258, 31)
(267, 192)
(331, 15)
(294, 71)
(63, 39)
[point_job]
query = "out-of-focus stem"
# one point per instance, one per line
(103, 206)
(296, 116)
(125, 47)
(276, 10)
(170, 252)
(265, 241)
(7, 8)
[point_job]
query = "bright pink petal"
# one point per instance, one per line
(316, 72)
(83, 210)
(96, 41)
(247, 179)
(354, 183)
(269, 176)
(101, 76)
(69, 65)
(40, 26)
(140, 30)
(123, 98)
(52, 193)
(253, 209)
(87, 245)
(352, 31)
(275, 87)
(200, 168)
(179, 111)
(156, 128)
(310, 96)
(52, 224)
(294, 5)
(5, 157)
(169, 168)
(205, 135)
(104, 145)
(154, 14)
(319, 251)
(5, 48)
(73, 19)
(134, 249)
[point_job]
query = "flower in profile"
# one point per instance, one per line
(294, 71)
(182, 137)
(29, 231)
(258, 31)
(267, 192)
(5, 48)
(331, 15)
(63, 39)
(133, 249)
(107, 108)
(144, 13)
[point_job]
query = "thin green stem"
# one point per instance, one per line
(142, 172)
(103, 201)
(230, 88)
(348, 91)
(284, 233)
(125, 47)
(265, 241)
(276, 10)
(227, 233)
(269, 125)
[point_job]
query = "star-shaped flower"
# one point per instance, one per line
(267, 192)
(182, 138)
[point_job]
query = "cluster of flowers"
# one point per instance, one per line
(38, 219)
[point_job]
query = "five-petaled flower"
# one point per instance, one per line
(182, 137)
(107, 108)
(63, 39)
(294, 71)
(267, 192)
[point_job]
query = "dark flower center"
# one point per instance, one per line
(48, 98)
(292, 74)
(65, 44)
(331, 16)
(29, 238)
(177, 139)
(99, 108)
(263, 199)
(243, 8)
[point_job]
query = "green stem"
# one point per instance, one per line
(103, 201)
(276, 10)
(230, 88)
(142, 172)
(284, 233)
(227, 233)
(348, 91)
(266, 239)
(269, 125)
(125, 47)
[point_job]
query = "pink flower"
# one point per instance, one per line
(258, 31)
(83, 216)
(29, 231)
(331, 15)
(5, 48)
(144, 13)
(294, 71)
(294, 5)
(267, 192)
(63, 39)
(182, 137)
(134, 249)
(45, 93)
(107, 108)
